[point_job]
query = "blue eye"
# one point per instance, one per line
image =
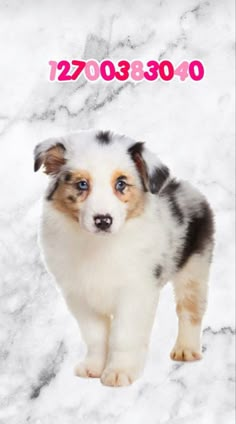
(82, 185)
(120, 186)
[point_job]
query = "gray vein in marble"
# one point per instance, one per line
(50, 370)
(196, 11)
(127, 42)
(223, 330)
(89, 105)
(95, 47)
(182, 39)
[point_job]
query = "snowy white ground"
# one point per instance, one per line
(189, 125)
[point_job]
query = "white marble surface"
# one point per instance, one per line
(190, 126)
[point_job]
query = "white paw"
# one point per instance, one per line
(185, 353)
(117, 377)
(90, 368)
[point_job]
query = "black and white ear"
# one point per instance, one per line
(152, 171)
(51, 154)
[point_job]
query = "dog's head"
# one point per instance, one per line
(99, 179)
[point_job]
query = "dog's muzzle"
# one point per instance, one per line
(103, 222)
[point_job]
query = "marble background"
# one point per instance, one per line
(189, 125)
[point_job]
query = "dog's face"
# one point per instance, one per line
(99, 179)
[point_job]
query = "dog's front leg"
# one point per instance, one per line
(95, 331)
(129, 337)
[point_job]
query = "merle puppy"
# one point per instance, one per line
(115, 228)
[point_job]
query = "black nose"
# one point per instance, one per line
(103, 222)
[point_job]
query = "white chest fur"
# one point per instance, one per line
(95, 268)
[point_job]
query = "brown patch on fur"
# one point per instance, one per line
(67, 198)
(132, 195)
(192, 303)
(54, 159)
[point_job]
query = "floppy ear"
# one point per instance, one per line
(50, 153)
(152, 171)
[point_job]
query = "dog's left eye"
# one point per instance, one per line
(120, 186)
(82, 185)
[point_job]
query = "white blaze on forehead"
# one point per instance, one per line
(84, 152)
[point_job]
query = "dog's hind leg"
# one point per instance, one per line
(191, 287)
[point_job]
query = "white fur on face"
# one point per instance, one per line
(102, 201)
(101, 162)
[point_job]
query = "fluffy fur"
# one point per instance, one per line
(115, 228)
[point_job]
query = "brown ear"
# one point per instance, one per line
(136, 153)
(52, 157)
(152, 171)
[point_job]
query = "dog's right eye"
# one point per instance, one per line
(82, 185)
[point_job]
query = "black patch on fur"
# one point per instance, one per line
(198, 235)
(171, 187)
(137, 148)
(54, 188)
(157, 178)
(37, 159)
(37, 163)
(169, 191)
(176, 211)
(103, 137)
(158, 271)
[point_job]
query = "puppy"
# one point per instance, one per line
(115, 228)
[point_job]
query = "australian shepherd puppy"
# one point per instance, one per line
(116, 227)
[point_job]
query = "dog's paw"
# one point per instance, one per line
(117, 377)
(184, 353)
(90, 368)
